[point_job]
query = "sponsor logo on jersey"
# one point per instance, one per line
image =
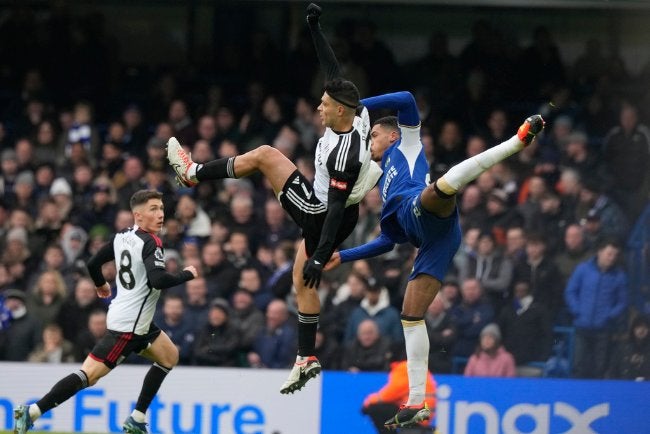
(339, 185)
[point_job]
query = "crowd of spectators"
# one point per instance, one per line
(533, 226)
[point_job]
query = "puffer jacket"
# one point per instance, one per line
(595, 297)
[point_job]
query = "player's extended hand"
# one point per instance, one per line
(311, 273)
(334, 262)
(103, 291)
(192, 269)
(313, 13)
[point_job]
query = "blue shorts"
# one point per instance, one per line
(436, 238)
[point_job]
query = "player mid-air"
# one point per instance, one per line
(424, 215)
(327, 212)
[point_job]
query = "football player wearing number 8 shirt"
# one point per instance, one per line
(139, 260)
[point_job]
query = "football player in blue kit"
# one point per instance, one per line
(426, 216)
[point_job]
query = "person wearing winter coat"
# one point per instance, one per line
(376, 306)
(218, 341)
(490, 359)
(632, 362)
(596, 296)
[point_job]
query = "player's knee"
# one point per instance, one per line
(265, 152)
(172, 358)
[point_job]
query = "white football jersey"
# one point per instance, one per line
(132, 309)
(340, 157)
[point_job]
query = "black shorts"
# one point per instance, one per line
(298, 199)
(114, 346)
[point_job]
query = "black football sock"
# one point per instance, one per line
(307, 326)
(150, 386)
(216, 169)
(65, 389)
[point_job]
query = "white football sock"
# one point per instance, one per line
(417, 354)
(138, 416)
(34, 412)
(468, 170)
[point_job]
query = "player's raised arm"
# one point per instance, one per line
(403, 102)
(326, 57)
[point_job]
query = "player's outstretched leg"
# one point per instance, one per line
(22, 420)
(468, 170)
(409, 416)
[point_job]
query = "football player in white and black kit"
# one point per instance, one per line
(327, 212)
(139, 259)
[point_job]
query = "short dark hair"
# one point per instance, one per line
(388, 122)
(142, 196)
(343, 91)
(611, 240)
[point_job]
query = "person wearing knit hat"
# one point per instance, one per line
(490, 358)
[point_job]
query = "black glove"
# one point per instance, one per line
(311, 273)
(313, 13)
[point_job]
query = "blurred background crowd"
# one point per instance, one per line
(553, 274)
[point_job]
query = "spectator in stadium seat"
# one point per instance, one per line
(47, 297)
(491, 268)
(102, 208)
(192, 217)
(178, 326)
(336, 318)
(375, 305)
(539, 270)
(220, 275)
(24, 192)
(626, 152)
(218, 342)
(75, 310)
(179, 119)
(275, 345)
(53, 348)
(526, 327)
(196, 301)
(279, 283)
(596, 296)
(572, 252)
(24, 331)
(632, 360)
(368, 351)
(251, 281)
(248, 318)
(472, 314)
(442, 335)
(277, 227)
(133, 173)
(91, 334)
(515, 248)
(490, 359)
(594, 203)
